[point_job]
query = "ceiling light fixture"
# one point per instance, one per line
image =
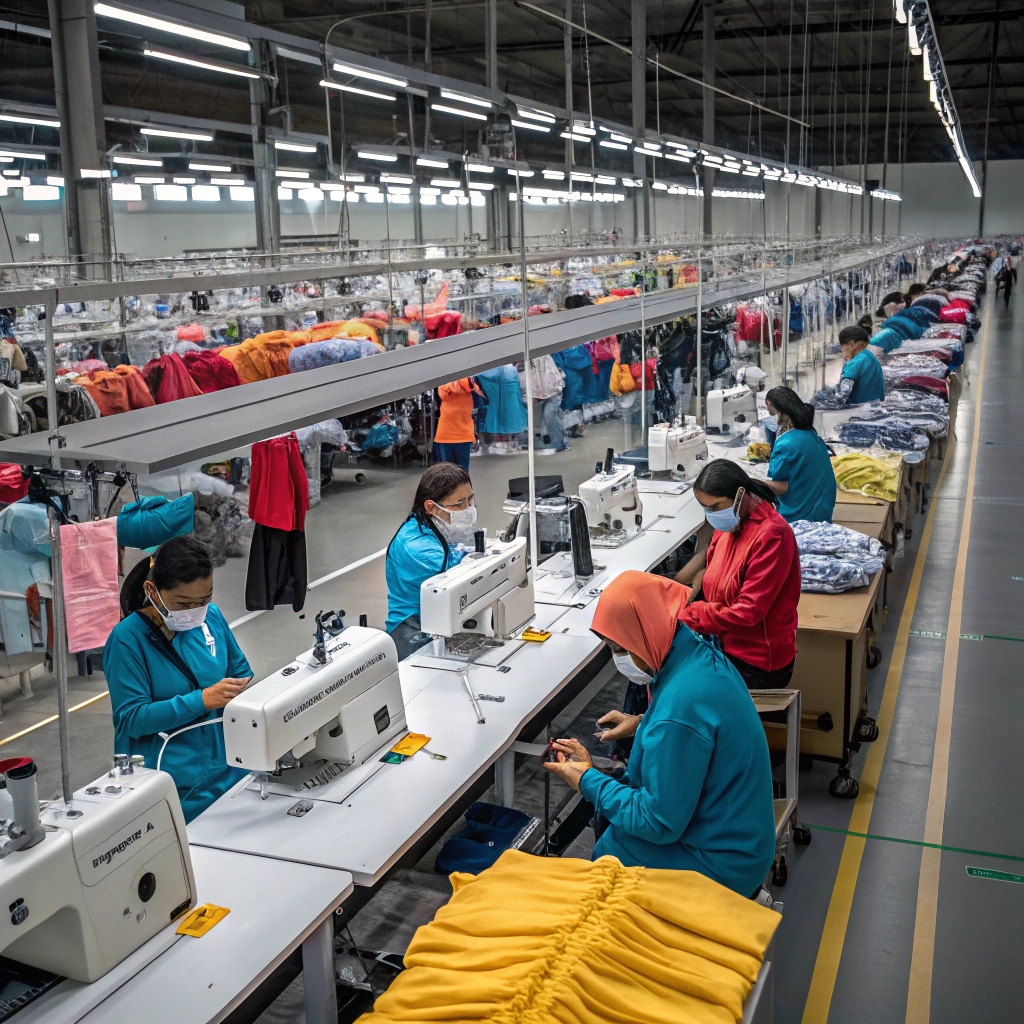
(536, 115)
(284, 173)
(176, 133)
(423, 161)
(472, 114)
(445, 182)
(384, 158)
(222, 168)
(520, 174)
(294, 147)
(531, 127)
(227, 181)
(574, 137)
(459, 97)
(205, 65)
(189, 31)
(608, 144)
(358, 90)
(373, 76)
(397, 179)
(138, 161)
(144, 179)
(480, 168)
(43, 122)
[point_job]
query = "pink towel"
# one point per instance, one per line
(89, 563)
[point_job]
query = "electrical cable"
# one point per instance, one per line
(168, 736)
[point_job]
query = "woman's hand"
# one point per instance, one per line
(219, 694)
(620, 726)
(573, 761)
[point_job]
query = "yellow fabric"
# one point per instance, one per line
(622, 382)
(759, 451)
(874, 477)
(537, 940)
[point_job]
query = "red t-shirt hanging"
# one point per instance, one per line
(278, 488)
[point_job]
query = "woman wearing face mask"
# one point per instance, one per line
(697, 795)
(800, 471)
(750, 589)
(443, 516)
(172, 662)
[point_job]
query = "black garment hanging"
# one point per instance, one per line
(277, 569)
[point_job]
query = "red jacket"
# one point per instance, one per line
(751, 590)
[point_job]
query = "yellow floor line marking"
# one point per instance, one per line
(919, 995)
(830, 949)
(53, 718)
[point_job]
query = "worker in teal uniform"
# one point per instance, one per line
(862, 379)
(697, 794)
(430, 540)
(800, 471)
(172, 662)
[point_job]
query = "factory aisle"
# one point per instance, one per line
(916, 923)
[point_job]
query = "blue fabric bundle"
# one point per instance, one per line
(150, 521)
(489, 832)
(887, 339)
(327, 353)
(506, 412)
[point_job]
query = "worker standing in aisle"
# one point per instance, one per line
(428, 541)
(698, 790)
(862, 379)
(172, 662)
(455, 432)
(748, 593)
(800, 470)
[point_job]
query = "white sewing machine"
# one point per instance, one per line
(331, 708)
(489, 593)
(612, 501)
(97, 878)
(730, 410)
(680, 451)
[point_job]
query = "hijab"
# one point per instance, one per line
(640, 613)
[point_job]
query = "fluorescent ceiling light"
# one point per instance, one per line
(224, 168)
(40, 193)
(710, 158)
(359, 91)
(311, 195)
(531, 127)
(284, 193)
(520, 174)
(6, 159)
(226, 181)
(294, 147)
(422, 161)
(91, 172)
(480, 168)
(445, 183)
(189, 31)
(647, 150)
(427, 191)
(366, 189)
(679, 157)
(20, 119)
(205, 194)
(184, 181)
(173, 133)
(461, 97)
(399, 190)
(582, 129)
(126, 192)
(553, 175)
(387, 158)
(14, 155)
(242, 193)
(53, 179)
(613, 145)
(374, 76)
(12, 174)
(291, 174)
(224, 69)
(660, 186)
(441, 108)
(353, 177)
(605, 179)
(145, 179)
(397, 179)
(138, 161)
(621, 138)
(485, 186)
(170, 193)
(536, 115)
(575, 137)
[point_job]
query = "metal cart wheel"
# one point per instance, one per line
(780, 873)
(801, 835)
(874, 657)
(844, 786)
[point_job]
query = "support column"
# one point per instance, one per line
(491, 41)
(268, 213)
(642, 220)
(707, 173)
(988, 114)
(569, 104)
(83, 142)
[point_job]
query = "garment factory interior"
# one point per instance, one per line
(506, 511)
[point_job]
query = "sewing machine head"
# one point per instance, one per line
(490, 593)
(612, 500)
(340, 710)
(102, 876)
(731, 410)
(678, 450)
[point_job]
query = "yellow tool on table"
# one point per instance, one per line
(408, 745)
(202, 919)
(535, 636)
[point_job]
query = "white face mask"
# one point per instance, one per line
(463, 518)
(182, 620)
(630, 669)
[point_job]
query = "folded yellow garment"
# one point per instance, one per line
(536, 940)
(867, 475)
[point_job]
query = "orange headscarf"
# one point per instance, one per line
(640, 612)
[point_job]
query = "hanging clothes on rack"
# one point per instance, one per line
(92, 605)
(506, 413)
(278, 503)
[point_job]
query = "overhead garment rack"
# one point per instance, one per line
(171, 435)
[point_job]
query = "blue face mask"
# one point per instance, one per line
(725, 519)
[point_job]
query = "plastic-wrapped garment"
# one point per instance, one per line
(952, 347)
(889, 436)
(932, 423)
(506, 413)
(830, 574)
(269, 352)
(969, 297)
(901, 400)
(153, 519)
(92, 605)
(953, 315)
(210, 371)
(176, 482)
(925, 365)
(887, 339)
(74, 403)
(223, 528)
(87, 365)
(647, 384)
(382, 436)
(933, 385)
(621, 382)
(310, 440)
(169, 380)
(328, 353)
(828, 398)
(816, 538)
(575, 364)
(13, 486)
(443, 325)
(25, 555)
(941, 331)
(930, 300)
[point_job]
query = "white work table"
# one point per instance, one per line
(178, 979)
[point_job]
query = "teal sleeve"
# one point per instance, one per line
(779, 466)
(131, 696)
(676, 760)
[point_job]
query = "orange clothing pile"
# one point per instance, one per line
(455, 423)
(117, 390)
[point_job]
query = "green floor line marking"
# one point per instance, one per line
(917, 842)
(1012, 639)
(996, 876)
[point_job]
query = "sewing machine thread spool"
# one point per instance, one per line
(21, 784)
(579, 532)
(609, 457)
(478, 541)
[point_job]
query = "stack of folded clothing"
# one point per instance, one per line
(874, 476)
(889, 434)
(834, 558)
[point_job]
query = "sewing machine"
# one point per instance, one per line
(612, 501)
(730, 410)
(87, 884)
(331, 708)
(680, 451)
(489, 593)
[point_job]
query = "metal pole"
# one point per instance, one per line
(700, 302)
(785, 334)
(643, 350)
(50, 364)
(60, 657)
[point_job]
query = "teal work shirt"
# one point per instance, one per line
(415, 554)
(800, 459)
(697, 794)
(150, 694)
(865, 371)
